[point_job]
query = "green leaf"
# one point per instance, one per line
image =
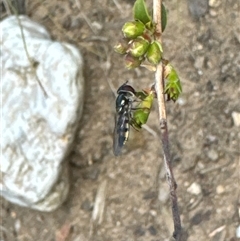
(140, 12)
(164, 17)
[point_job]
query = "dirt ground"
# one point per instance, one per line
(205, 143)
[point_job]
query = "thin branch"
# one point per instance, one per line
(159, 87)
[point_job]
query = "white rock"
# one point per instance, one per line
(37, 130)
(195, 189)
(236, 118)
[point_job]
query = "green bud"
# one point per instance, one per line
(133, 29)
(154, 53)
(150, 26)
(138, 47)
(141, 114)
(173, 86)
(132, 62)
(121, 47)
(167, 70)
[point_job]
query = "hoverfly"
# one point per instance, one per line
(125, 98)
(129, 115)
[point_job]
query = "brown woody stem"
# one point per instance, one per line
(159, 88)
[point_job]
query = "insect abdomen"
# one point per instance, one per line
(121, 132)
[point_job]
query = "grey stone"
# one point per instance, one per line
(38, 128)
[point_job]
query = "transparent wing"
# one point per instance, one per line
(121, 132)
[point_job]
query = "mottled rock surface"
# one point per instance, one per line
(38, 123)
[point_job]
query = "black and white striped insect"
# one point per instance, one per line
(125, 98)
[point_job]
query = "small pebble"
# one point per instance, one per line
(97, 26)
(118, 223)
(163, 195)
(200, 72)
(13, 215)
(17, 225)
(139, 231)
(212, 155)
(199, 46)
(214, 3)
(211, 138)
(153, 213)
(236, 118)
(209, 86)
(199, 61)
(76, 23)
(238, 232)
(195, 189)
(91, 173)
(87, 205)
(212, 13)
(181, 101)
(197, 218)
(220, 189)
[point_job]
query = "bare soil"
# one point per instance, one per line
(204, 140)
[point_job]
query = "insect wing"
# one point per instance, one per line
(121, 133)
(117, 143)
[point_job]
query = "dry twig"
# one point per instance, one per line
(159, 87)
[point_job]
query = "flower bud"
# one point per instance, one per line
(132, 62)
(133, 29)
(154, 53)
(122, 46)
(173, 86)
(138, 47)
(141, 114)
(167, 69)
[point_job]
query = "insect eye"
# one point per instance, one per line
(121, 100)
(126, 88)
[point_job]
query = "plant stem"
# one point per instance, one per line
(159, 87)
